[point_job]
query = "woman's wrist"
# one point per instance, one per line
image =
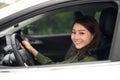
(33, 51)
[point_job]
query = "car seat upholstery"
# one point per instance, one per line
(106, 23)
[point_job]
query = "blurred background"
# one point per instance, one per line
(4, 3)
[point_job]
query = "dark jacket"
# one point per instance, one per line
(45, 60)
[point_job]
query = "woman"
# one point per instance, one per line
(85, 36)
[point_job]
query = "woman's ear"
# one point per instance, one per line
(93, 35)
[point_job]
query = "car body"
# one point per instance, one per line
(47, 26)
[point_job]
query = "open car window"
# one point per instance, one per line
(55, 23)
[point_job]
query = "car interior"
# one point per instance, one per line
(107, 24)
(58, 46)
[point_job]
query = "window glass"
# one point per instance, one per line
(97, 16)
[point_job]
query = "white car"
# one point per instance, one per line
(47, 26)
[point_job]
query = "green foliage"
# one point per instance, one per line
(53, 24)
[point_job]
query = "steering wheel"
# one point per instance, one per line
(22, 55)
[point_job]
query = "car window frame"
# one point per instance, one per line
(114, 49)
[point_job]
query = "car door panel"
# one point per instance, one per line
(55, 47)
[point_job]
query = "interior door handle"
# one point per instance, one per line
(36, 42)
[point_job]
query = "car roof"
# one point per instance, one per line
(24, 4)
(21, 8)
(18, 6)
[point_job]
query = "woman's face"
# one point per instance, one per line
(80, 36)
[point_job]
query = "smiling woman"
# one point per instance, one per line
(85, 36)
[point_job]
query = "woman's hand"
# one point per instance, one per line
(29, 47)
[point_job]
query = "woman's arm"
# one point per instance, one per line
(29, 47)
(39, 57)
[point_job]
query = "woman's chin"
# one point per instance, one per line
(79, 47)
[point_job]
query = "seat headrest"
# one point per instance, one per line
(107, 21)
(78, 15)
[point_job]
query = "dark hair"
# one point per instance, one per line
(92, 26)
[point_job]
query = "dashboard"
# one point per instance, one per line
(3, 41)
(5, 50)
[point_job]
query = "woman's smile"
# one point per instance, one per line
(81, 36)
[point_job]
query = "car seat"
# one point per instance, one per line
(106, 23)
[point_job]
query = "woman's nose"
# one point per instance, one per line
(76, 36)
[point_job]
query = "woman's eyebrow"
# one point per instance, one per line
(82, 30)
(78, 30)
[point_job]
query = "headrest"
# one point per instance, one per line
(78, 15)
(107, 21)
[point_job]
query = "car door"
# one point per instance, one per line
(50, 32)
(48, 27)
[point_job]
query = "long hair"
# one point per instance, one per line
(92, 26)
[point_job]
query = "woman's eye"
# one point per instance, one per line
(73, 32)
(81, 33)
